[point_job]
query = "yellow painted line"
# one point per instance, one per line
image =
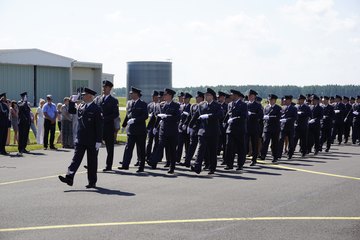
(33, 179)
(309, 171)
(180, 221)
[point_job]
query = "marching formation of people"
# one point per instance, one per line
(221, 125)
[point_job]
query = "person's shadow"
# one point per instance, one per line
(105, 191)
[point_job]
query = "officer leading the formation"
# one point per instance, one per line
(110, 110)
(88, 138)
(4, 123)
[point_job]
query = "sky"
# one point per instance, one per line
(222, 42)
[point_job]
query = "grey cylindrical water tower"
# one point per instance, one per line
(149, 76)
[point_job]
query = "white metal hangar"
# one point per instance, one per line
(40, 73)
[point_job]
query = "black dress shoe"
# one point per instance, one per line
(185, 165)
(85, 166)
(137, 164)
(140, 170)
(53, 148)
(327, 150)
(66, 180)
(107, 169)
(91, 185)
(123, 168)
(253, 163)
(275, 160)
(167, 165)
(316, 152)
(171, 171)
(239, 168)
(223, 163)
(211, 172)
(4, 153)
(26, 151)
(195, 170)
(228, 168)
(262, 158)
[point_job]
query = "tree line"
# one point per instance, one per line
(265, 90)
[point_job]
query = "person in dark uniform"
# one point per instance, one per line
(302, 125)
(356, 121)
(315, 125)
(261, 122)
(222, 137)
(24, 123)
(136, 130)
(338, 129)
(88, 138)
(327, 123)
(167, 122)
(256, 115)
(110, 110)
(4, 123)
(184, 138)
(193, 127)
(287, 126)
(348, 118)
(209, 115)
(236, 132)
(272, 113)
(152, 108)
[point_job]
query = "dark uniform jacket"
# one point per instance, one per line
(256, 114)
(209, 127)
(348, 113)
(239, 114)
(4, 116)
(290, 114)
(273, 123)
(110, 111)
(138, 110)
(339, 109)
(90, 126)
(24, 113)
(153, 110)
(317, 113)
(169, 126)
(328, 117)
(184, 113)
(304, 113)
(191, 121)
(356, 108)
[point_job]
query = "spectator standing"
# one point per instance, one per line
(50, 114)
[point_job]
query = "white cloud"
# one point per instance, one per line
(318, 15)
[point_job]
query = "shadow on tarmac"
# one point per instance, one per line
(104, 191)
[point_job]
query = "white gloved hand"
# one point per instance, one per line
(356, 113)
(186, 113)
(154, 131)
(204, 116)
(311, 121)
(324, 117)
(300, 112)
(230, 120)
(337, 111)
(266, 117)
(74, 98)
(283, 120)
(150, 115)
(130, 121)
(249, 113)
(162, 115)
(97, 145)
